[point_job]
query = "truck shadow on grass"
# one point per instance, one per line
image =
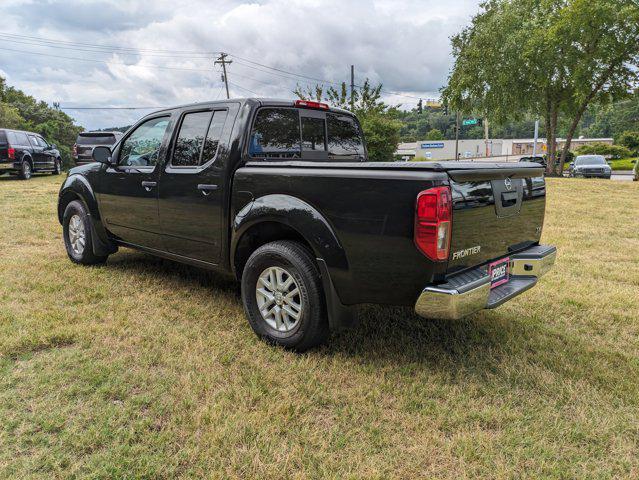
(494, 347)
(518, 348)
(176, 275)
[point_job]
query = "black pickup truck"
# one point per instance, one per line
(280, 194)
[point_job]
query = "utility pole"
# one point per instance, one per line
(486, 134)
(223, 61)
(457, 135)
(352, 87)
(536, 137)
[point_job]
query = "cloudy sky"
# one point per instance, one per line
(138, 53)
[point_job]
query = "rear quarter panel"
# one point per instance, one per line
(371, 213)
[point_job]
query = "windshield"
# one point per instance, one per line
(590, 160)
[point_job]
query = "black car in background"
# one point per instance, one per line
(26, 152)
(87, 141)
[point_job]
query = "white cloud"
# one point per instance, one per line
(404, 44)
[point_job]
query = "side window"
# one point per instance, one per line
(276, 134)
(188, 145)
(213, 136)
(34, 141)
(12, 138)
(313, 134)
(344, 137)
(42, 142)
(142, 147)
(22, 139)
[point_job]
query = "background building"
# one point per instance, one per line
(501, 149)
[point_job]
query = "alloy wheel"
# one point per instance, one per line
(77, 234)
(278, 299)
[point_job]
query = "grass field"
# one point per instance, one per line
(144, 368)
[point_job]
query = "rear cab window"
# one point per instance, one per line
(307, 134)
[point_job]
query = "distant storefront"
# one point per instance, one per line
(475, 148)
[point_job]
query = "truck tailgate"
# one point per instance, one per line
(496, 212)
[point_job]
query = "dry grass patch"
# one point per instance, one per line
(144, 368)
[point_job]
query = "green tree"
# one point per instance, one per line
(630, 140)
(551, 58)
(9, 116)
(379, 121)
(435, 134)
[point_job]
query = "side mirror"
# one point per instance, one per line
(572, 164)
(102, 154)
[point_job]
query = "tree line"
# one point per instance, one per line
(23, 112)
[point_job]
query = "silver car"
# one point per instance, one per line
(588, 166)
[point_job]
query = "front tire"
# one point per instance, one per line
(282, 296)
(25, 170)
(57, 167)
(76, 228)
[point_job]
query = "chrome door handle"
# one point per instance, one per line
(206, 189)
(149, 185)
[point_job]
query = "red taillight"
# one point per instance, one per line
(75, 149)
(433, 222)
(11, 153)
(307, 104)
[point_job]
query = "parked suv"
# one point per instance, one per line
(589, 166)
(87, 141)
(26, 152)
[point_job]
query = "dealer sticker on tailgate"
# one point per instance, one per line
(499, 272)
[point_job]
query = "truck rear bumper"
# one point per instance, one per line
(470, 291)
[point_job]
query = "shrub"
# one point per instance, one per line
(630, 140)
(597, 148)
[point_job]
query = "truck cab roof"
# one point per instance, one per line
(254, 101)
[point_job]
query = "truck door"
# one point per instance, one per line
(128, 191)
(193, 183)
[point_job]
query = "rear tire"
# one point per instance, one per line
(282, 296)
(26, 170)
(77, 233)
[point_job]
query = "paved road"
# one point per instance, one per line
(622, 175)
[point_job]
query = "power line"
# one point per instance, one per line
(186, 54)
(318, 79)
(4, 38)
(107, 62)
(244, 88)
(109, 47)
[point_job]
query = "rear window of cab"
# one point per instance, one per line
(293, 133)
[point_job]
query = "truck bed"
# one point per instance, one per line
(371, 208)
